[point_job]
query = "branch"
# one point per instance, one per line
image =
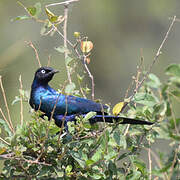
(155, 59)
(21, 100)
(150, 161)
(4, 141)
(62, 3)
(29, 43)
(7, 108)
(90, 75)
(65, 40)
(11, 156)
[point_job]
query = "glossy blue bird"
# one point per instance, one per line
(64, 108)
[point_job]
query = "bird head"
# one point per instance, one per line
(45, 74)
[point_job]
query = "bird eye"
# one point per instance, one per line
(43, 71)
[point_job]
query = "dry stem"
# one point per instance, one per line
(65, 39)
(21, 100)
(4, 141)
(62, 3)
(155, 59)
(5, 102)
(150, 161)
(29, 43)
(4, 117)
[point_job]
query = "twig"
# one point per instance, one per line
(136, 80)
(173, 163)
(49, 60)
(91, 76)
(33, 17)
(150, 161)
(173, 115)
(6, 120)
(59, 32)
(127, 129)
(155, 59)
(4, 141)
(82, 58)
(21, 100)
(65, 39)
(157, 161)
(11, 156)
(47, 129)
(5, 102)
(29, 43)
(62, 3)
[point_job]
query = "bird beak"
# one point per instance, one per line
(55, 71)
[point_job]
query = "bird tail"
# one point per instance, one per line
(122, 120)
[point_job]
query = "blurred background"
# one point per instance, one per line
(119, 30)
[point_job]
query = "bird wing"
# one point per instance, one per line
(69, 104)
(82, 105)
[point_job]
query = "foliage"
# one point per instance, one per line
(40, 150)
(93, 152)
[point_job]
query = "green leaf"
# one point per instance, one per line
(68, 169)
(116, 136)
(145, 99)
(78, 158)
(154, 81)
(124, 155)
(175, 93)
(112, 167)
(173, 122)
(89, 162)
(140, 165)
(38, 9)
(52, 17)
(62, 49)
(173, 70)
(80, 78)
(6, 127)
(175, 137)
(160, 109)
(123, 142)
(97, 155)
(17, 99)
(89, 116)
(20, 18)
(68, 60)
(70, 88)
(31, 10)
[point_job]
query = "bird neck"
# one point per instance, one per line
(36, 83)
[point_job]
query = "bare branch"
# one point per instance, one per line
(7, 108)
(65, 39)
(33, 17)
(29, 43)
(21, 100)
(6, 120)
(91, 76)
(12, 156)
(155, 59)
(150, 161)
(62, 3)
(4, 141)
